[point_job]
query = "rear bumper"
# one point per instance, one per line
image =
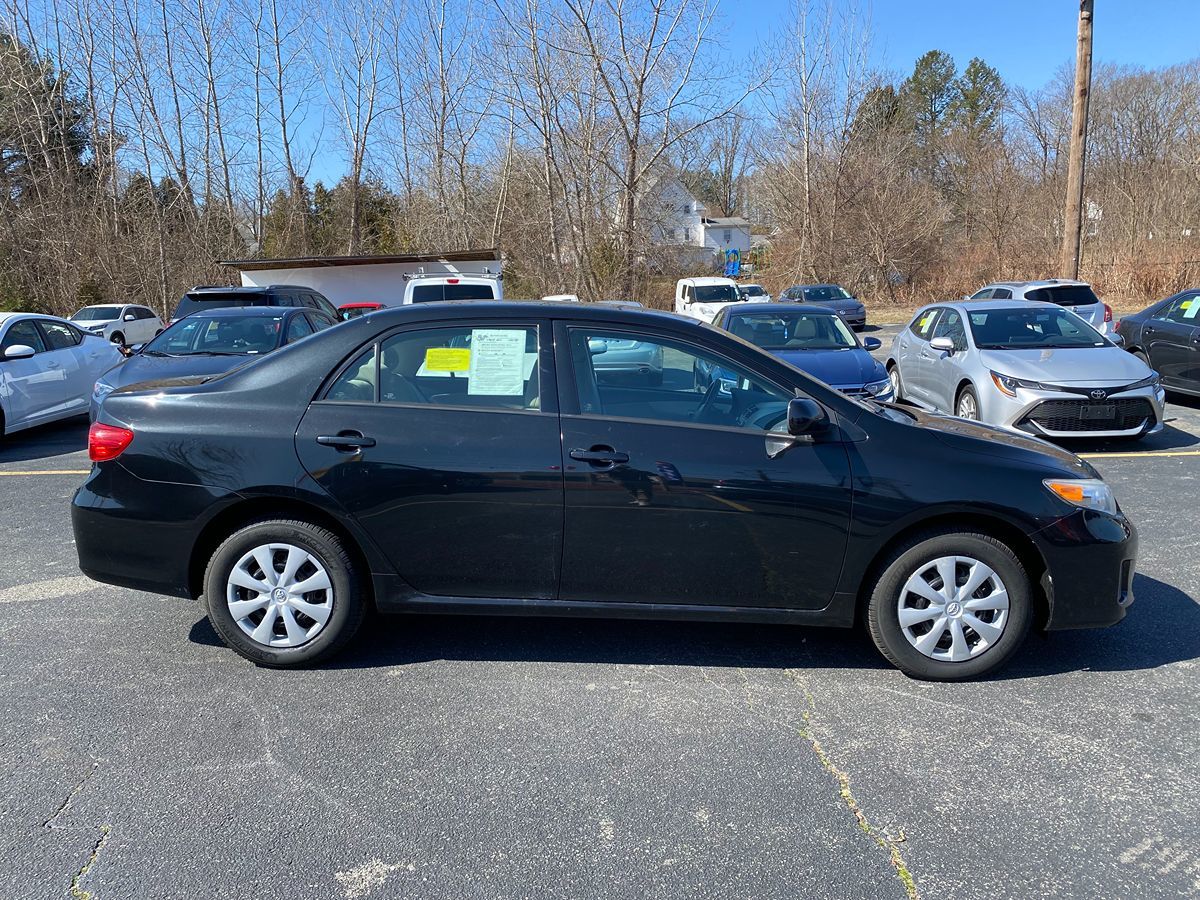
(140, 537)
(1091, 558)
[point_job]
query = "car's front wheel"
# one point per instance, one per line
(948, 606)
(118, 339)
(284, 593)
(967, 404)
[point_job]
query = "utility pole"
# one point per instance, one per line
(1073, 211)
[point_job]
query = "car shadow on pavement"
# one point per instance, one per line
(45, 441)
(401, 639)
(1162, 627)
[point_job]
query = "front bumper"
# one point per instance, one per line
(1061, 414)
(1090, 562)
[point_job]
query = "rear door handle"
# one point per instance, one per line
(600, 456)
(347, 441)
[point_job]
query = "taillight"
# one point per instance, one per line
(451, 281)
(107, 442)
(1107, 313)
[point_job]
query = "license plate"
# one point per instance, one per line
(1094, 411)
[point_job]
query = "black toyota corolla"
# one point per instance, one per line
(479, 458)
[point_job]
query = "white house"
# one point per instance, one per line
(679, 225)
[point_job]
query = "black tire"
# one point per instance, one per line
(118, 338)
(1144, 358)
(897, 382)
(883, 617)
(348, 601)
(967, 391)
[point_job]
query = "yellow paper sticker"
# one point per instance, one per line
(924, 321)
(447, 359)
(1186, 304)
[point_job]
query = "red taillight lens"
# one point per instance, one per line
(451, 281)
(1107, 313)
(107, 442)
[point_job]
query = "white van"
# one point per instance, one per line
(702, 298)
(421, 288)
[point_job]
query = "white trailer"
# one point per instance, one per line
(392, 280)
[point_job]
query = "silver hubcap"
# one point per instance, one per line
(280, 595)
(953, 609)
(894, 377)
(967, 408)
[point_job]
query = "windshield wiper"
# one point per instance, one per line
(219, 353)
(157, 353)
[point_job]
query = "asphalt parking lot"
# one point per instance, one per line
(447, 757)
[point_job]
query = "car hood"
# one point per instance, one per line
(836, 304)
(850, 367)
(1102, 366)
(141, 368)
(990, 440)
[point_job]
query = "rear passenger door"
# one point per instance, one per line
(1173, 342)
(443, 442)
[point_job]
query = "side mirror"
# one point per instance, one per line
(872, 343)
(595, 348)
(942, 344)
(19, 351)
(804, 416)
(130, 317)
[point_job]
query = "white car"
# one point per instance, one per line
(47, 369)
(703, 298)
(120, 323)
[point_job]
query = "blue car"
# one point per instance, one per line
(814, 339)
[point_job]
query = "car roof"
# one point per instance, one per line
(246, 288)
(548, 309)
(816, 285)
(707, 279)
(7, 316)
(260, 312)
(780, 307)
(969, 306)
(1045, 282)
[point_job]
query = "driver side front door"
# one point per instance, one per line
(671, 496)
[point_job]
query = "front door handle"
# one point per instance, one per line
(346, 441)
(600, 456)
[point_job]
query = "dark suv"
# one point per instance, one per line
(199, 298)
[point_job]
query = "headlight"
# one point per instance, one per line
(1008, 385)
(1150, 380)
(100, 390)
(875, 388)
(1086, 493)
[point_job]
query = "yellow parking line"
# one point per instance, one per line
(1144, 455)
(48, 472)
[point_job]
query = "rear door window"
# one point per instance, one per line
(922, 326)
(298, 328)
(1001, 294)
(59, 336)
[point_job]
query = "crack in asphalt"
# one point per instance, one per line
(886, 842)
(76, 889)
(62, 807)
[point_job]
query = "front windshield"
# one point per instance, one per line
(825, 292)
(97, 314)
(793, 331)
(1021, 329)
(218, 335)
(716, 293)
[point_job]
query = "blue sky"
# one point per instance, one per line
(1027, 40)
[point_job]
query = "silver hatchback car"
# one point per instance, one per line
(1034, 367)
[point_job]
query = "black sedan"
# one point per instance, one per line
(1167, 336)
(477, 458)
(210, 342)
(837, 298)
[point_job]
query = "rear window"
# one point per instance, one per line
(429, 293)
(194, 302)
(1064, 295)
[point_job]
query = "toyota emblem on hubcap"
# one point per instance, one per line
(279, 595)
(953, 609)
(1098, 394)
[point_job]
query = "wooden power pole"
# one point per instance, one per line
(1073, 210)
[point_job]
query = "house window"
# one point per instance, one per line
(728, 235)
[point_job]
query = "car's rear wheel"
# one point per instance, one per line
(949, 605)
(897, 382)
(284, 593)
(967, 404)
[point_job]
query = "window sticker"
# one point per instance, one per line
(447, 359)
(1192, 307)
(924, 321)
(497, 362)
